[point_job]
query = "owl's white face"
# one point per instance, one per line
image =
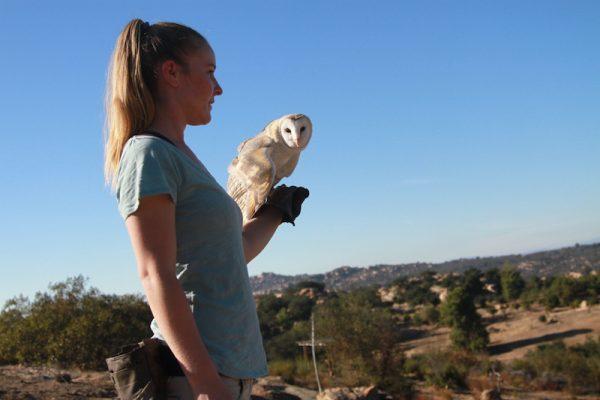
(296, 131)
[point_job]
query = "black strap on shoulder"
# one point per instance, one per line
(154, 133)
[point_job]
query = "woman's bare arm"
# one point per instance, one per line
(258, 231)
(152, 232)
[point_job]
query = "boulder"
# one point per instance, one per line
(274, 388)
(374, 393)
(387, 295)
(358, 393)
(341, 393)
(442, 292)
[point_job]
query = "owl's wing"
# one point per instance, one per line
(235, 183)
(241, 195)
(241, 145)
(252, 179)
(262, 177)
(285, 170)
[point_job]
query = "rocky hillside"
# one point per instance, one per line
(575, 259)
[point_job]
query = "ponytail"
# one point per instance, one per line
(131, 81)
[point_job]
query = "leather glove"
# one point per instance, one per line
(288, 200)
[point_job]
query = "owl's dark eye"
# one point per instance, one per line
(302, 129)
(288, 130)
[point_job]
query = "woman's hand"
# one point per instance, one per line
(216, 390)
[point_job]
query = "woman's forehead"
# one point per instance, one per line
(204, 56)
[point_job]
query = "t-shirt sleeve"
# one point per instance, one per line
(146, 168)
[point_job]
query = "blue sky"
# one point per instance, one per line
(442, 129)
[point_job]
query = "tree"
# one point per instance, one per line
(268, 308)
(459, 312)
(365, 342)
(512, 282)
(300, 308)
(318, 286)
(471, 281)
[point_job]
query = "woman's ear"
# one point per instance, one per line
(169, 73)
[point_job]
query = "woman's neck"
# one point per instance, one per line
(169, 124)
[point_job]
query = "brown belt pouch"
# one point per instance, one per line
(137, 371)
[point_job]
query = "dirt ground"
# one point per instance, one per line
(514, 332)
(30, 383)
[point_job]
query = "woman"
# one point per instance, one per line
(190, 246)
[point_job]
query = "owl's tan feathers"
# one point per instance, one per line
(265, 159)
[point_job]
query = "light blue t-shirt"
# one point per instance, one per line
(211, 265)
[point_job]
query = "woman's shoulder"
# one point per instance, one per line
(143, 143)
(147, 151)
(142, 147)
(146, 168)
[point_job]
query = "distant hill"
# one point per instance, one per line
(578, 258)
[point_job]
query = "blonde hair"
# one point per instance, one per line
(131, 81)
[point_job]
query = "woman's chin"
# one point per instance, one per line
(201, 120)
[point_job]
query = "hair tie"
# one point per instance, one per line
(144, 28)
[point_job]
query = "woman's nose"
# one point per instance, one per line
(218, 89)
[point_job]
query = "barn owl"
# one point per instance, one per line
(265, 159)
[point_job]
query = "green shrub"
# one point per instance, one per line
(542, 318)
(552, 366)
(284, 368)
(446, 369)
(299, 371)
(430, 314)
(277, 315)
(551, 301)
(71, 326)
(285, 346)
(417, 319)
